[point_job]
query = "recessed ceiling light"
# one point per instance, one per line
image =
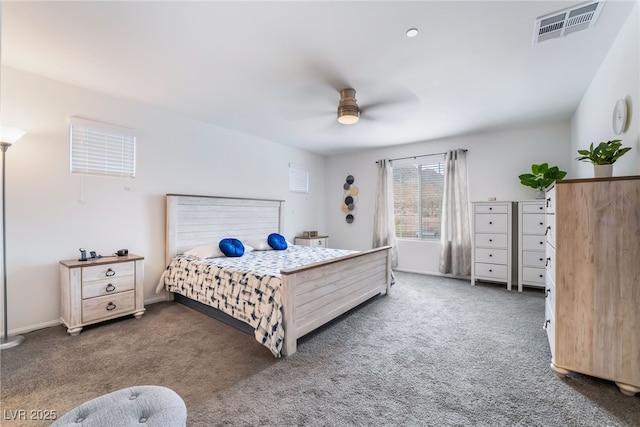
(412, 32)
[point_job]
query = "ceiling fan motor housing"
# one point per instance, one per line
(348, 110)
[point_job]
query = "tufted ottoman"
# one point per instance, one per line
(147, 405)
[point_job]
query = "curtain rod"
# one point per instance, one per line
(422, 155)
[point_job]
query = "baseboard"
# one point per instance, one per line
(432, 273)
(49, 324)
(32, 328)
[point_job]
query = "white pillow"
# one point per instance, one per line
(205, 251)
(258, 244)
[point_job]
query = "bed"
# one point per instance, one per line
(304, 296)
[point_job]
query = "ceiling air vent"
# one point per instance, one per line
(567, 21)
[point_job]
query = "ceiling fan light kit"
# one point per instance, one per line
(348, 110)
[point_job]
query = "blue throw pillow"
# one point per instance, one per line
(277, 241)
(231, 247)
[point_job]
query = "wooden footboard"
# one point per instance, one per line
(315, 294)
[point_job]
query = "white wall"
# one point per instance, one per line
(618, 77)
(495, 159)
(175, 154)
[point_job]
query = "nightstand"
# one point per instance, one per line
(96, 290)
(316, 242)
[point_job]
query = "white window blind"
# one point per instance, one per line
(298, 179)
(101, 149)
(417, 194)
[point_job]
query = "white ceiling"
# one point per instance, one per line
(273, 69)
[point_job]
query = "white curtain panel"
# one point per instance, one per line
(455, 251)
(384, 233)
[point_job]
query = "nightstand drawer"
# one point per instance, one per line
(108, 271)
(107, 287)
(107, 306)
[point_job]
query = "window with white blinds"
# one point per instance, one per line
(101, 149)
(298, 179)
(418, 184)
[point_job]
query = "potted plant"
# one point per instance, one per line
(603, 156)
(541, 177)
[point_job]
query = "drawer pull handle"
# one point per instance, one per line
(548, 201)
(541, 276)
(542, 223)
(546, 263)
(111, 306)
(546, 324)
(491, 240)
(490, 255)
(540, 207)
(110, 288)
(546, 292)
(541, 259)
(490, 222)
(542, 243)
(110, 272)
(547, 230)
(490, 271)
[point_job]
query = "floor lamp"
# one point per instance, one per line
(8, 136)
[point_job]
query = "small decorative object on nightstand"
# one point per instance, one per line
(96, 290)
(316, 241)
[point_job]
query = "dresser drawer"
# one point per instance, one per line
(492, 256)
(491, 240)
(492, 209)
(107, 306)
(533, 259)
(533, 275)
(107, 287)
(107, 271)
(550, 200)
(491, 271)
(550, 292)
(533, 223)
(550, 230)
(532, 243)
(491, 223)
(550, 261)
(533, 207)
(550, 327)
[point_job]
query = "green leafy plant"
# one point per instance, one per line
(541, 176)
(605, 153)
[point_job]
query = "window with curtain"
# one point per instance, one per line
(417, 193)
(101, 149)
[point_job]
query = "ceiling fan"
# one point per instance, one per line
(348, 110)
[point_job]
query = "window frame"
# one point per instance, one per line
(101, 149)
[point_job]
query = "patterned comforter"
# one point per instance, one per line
(247, 288)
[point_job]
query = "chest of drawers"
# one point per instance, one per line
(318, 241)
(531, 243)
(492, 253)
(97, 290)
(592, 300)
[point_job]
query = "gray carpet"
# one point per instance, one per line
(436, 352)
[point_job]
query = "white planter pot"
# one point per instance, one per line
(602, 171)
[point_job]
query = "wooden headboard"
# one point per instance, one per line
(201, 220)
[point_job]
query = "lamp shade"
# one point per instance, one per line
(10, 135)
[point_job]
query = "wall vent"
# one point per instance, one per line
(567, 21)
